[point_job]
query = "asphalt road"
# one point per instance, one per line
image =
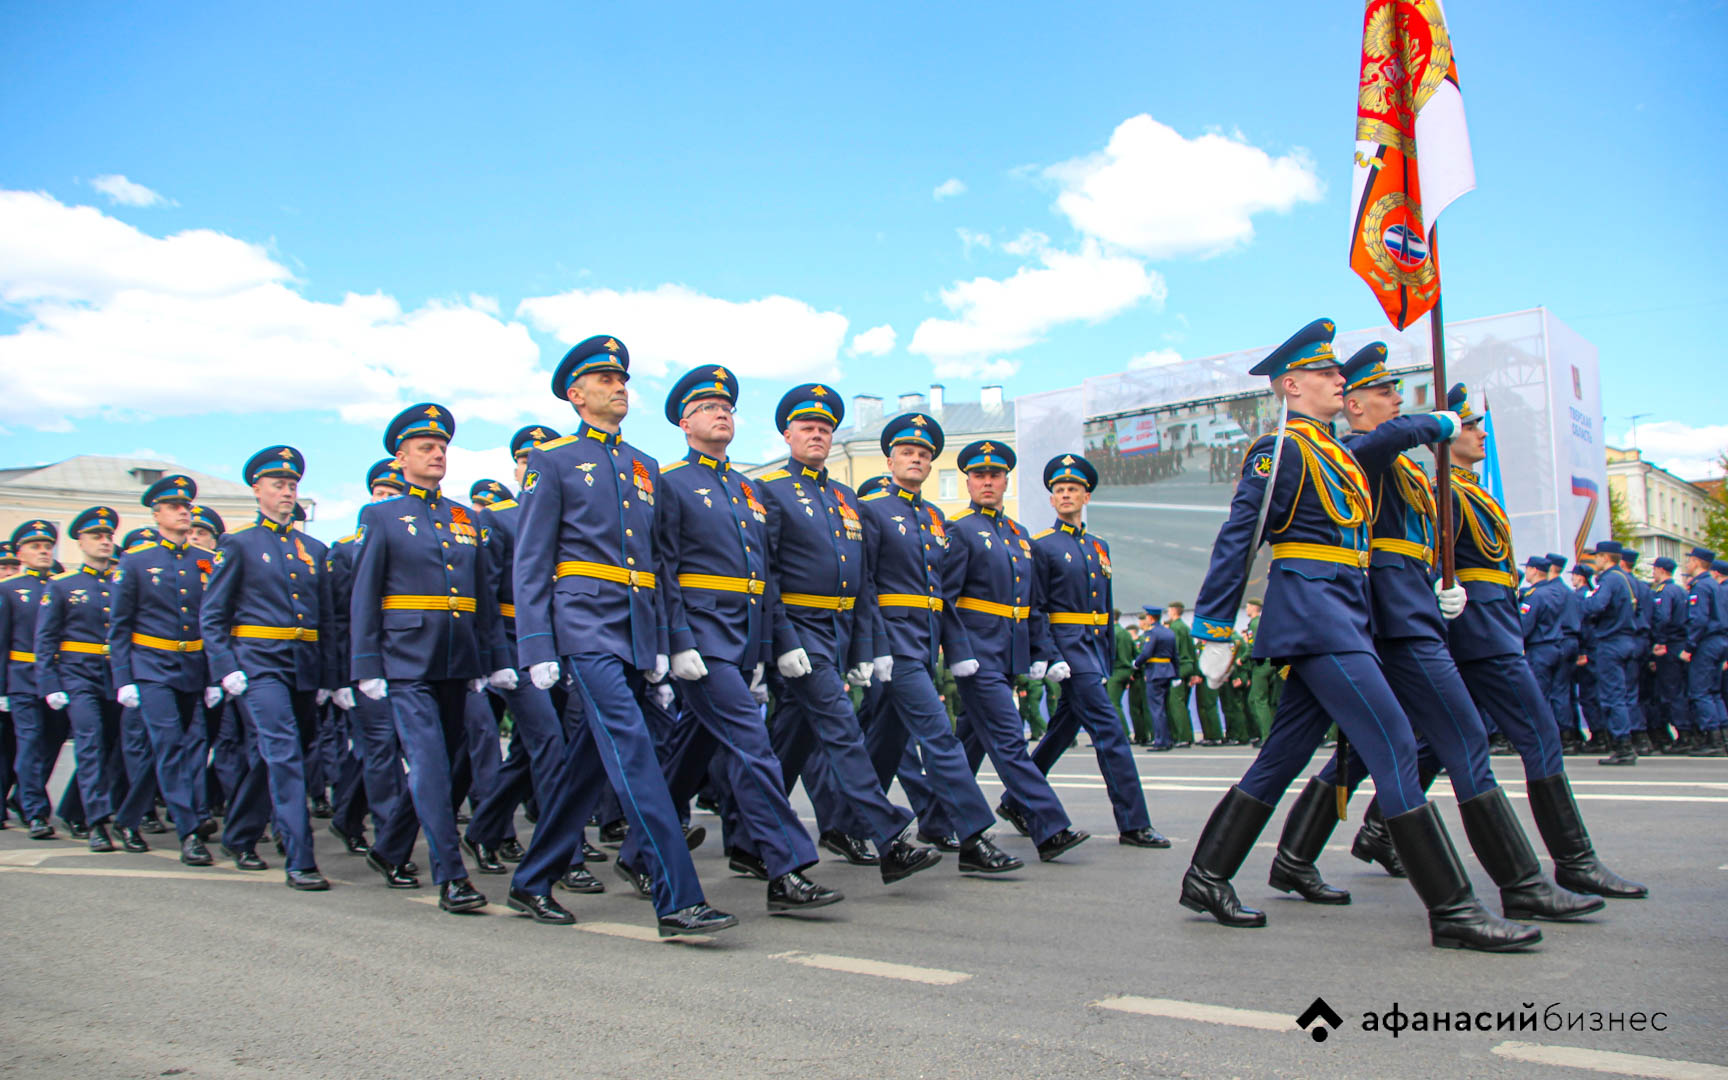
(132, 965)
(1160, 535)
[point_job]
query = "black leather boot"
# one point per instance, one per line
(1620, 752)
(1230, 833)
(1306, 831)
(1576, 866)
(1505, 851)
(1456, 919)
(1709, 744)
(1373, 844)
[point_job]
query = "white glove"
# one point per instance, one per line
(322, 697)
(757, 673)
(793, 665)
(688, 665)
(662, 695)
(662, 664)
(860, 675)
(58, 700)
(965, 669)
(544, 675)
(1456, 424)
(1059, 671)
(1038, 669)
(503, 679)
(1215, 659)
(475, 686)
(344, 698)
(234, 682)
(883, 668)
(212, 696)
(128, 696)
(1451, 600)
(376, 689)
(5, 703)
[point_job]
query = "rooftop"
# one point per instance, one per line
(127, 477)
(867, 414)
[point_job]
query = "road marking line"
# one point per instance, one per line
(1194, 1010)
(644, 933)
(1581, 796)
(489, 909)
(881, 968)
(120, 871)
(1609, 1061)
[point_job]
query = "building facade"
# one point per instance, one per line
(1666, 512)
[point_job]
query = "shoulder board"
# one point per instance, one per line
(502, 504)
(873, 496)
(964, 513)
(243, 528)
(1042, 535)
(12, 577)
(142, 546)
(349, 539)
(202, 548)
(381, 502)
(68, 574)
(562, 440)
(679, 464)
(777, 474)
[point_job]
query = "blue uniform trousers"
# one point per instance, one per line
(793, 743)
(1505, 688)
(823, 741)
(429, 723)
(348, 800)
(1157, 692)
(911, 707)
(1347, 689)
(614, 743)
(95, 719)
(1704, 683)
(1636, 659)
(485, 754)
(274, 785)
(1086, 703)
(1669, 691)
(175, 729)
(1554, 679)
(393, 818)
(139, 769)
(894, 755)
(1611, 661)
(536, 749)
(228, 762)
(991, 719)
(1589, 701)
(41, 733)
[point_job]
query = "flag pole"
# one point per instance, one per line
(1442, 457)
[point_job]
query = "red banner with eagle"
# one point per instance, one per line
(1407, 101)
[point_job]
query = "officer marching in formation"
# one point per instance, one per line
(1705, 651)
(1157, 660)
(40, 732)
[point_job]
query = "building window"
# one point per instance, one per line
(1421, 394)
(948, 484)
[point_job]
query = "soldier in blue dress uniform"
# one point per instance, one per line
(1668, 636)
(266, 625)
(1705, 649)
(1638, 665)
(1318, 515)
(1157, 659)
(40, 731)
(588, 609)
(1611, 608)
(218, 754)
(423, 624)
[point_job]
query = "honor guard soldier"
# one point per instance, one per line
(265, 626)
(1668, 637)
(822, 640)
(158, 655)
(588, 609)
(1611, 608)
(40, 732)
(906, 553)
(1073, 568)
(987, 639)
(1563, 703)
(72, 666)
(423, 620)
(1157, 660)
(1706, 647)
(1317, 506)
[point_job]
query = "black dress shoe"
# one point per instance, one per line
(78, 829)
(696, 919)
(99, 838)
(1619, 753)
(1015, 817)
(945, 842)
(194, 853)
(539, 905)
(902, 860)
(281, 847)
(152, 825)
(706, 803)
(590, 853)
(354, 842)
(979, 856)
(1061, 842)
(397, 877)
(40, 829)
(321, 807)
(795, 892)
(463, 817)
(742, 862)
(208, 828)
(511, 851)
(132, 840)
(485, 859)
(1147, 837)
(245, 860)
(613, 832)
(642, 883)
(578, 879)
(694, 835)
(851, 848)
(411, 867)
(459, 896)
(306, 881)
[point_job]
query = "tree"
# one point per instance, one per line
(1716, 518)
(1619, 522)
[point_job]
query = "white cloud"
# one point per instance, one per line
(124, 192)
(983, 370)
(1155, 358)
(1027, 243)
(1159, 195)
(463, 467)
(876, 341)
(948, 188)
(970, 240)
(674, 328)
(998, 316)
(1691, 453)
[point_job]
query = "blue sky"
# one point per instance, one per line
(332, 210)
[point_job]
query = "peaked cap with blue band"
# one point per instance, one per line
(484, 492)
(1458, 401)
(138, 536)
(1367, 368)
(206, 518)
(873, 485)
(1308, 349)
(419, 421)
(1069, 468)
(602, 352)
(384, 471)
(529, 438)
(174, 488)
(916, 428)
(811, 401)
(274, 461)
(700, 384)
(987, 454)
(1155, 612)
(1557, 560)
(6, 552)
(94, 519)
(35, 529)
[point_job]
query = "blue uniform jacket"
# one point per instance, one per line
(905, 546)
(1668, 614)
(711, 532)
(339, 564)
(1645, 610)
(1611, 608)
(500, 522)
(1704, 614)
(1074, 586)
(267, 608)
(424, 603)
(1571, 617)
(991, 572)
(817, 562)
(586, 568)
(72, 632)
(1482, 551)
(20, 602)
(1586, 633)
(154, 636)
(1158, 653)
(1318, 526)
(1401, 555)
(1541, 611)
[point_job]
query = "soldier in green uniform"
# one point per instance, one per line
(1233, 695)
(1121, 670)
(1265, 684)
(1037, 691)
